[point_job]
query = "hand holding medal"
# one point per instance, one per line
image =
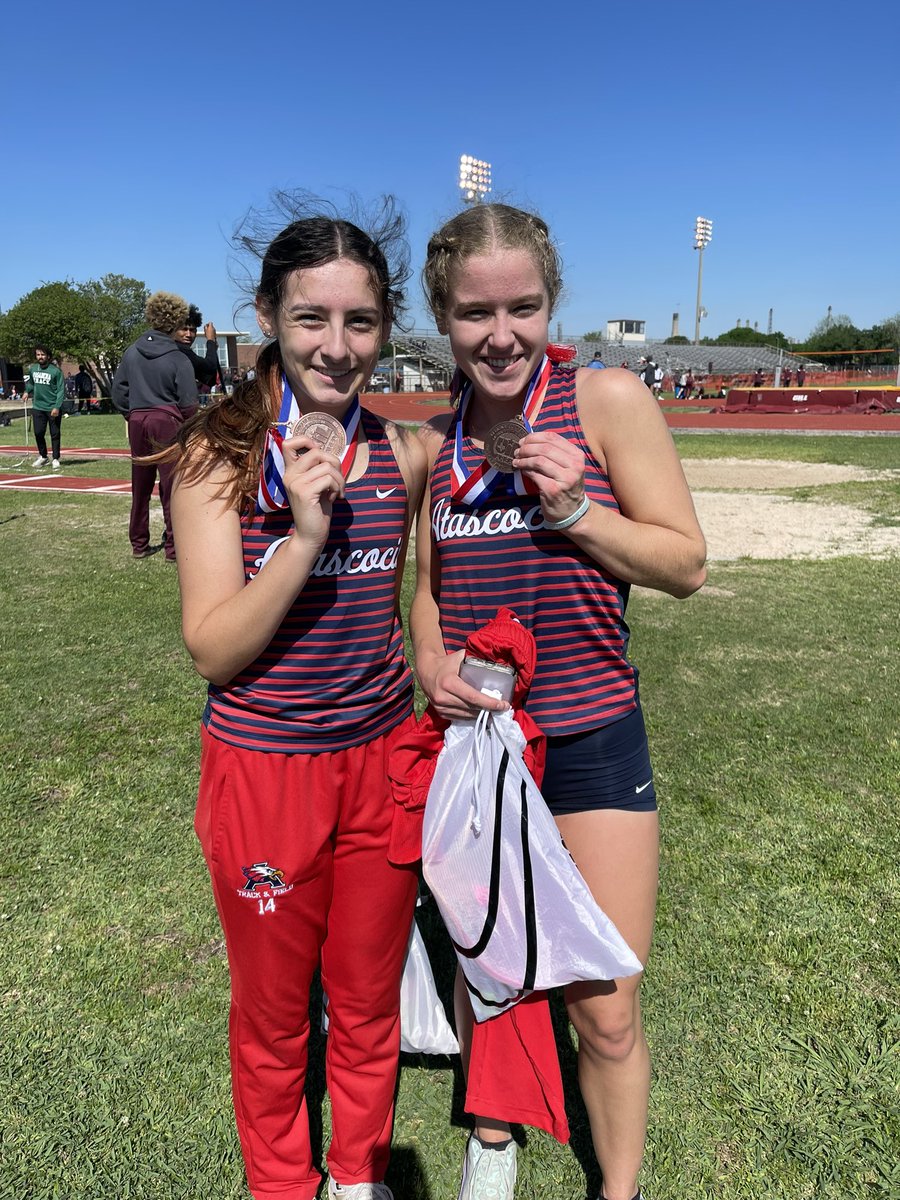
(330, 438)
(503, 439)
(555, 467)
(312, 483)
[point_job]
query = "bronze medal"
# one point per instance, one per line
(326, 431)
(501, 442)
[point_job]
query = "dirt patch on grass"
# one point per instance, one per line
(756, 525)
(766, 474)
(747, 521)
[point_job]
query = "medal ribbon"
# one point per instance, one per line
(271, 496)
(471, 487)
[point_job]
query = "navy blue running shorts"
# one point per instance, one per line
(607, 767)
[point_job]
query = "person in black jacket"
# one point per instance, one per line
(155, 390)
(84, 388)
(206, 369)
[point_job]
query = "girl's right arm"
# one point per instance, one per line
(437, 671)
(227, 621)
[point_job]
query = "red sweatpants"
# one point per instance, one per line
(149, 429)
(296, 846)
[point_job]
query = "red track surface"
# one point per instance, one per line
(60, 482)
(418, 409)
(405, 407)
(74, 452)
(787, 422)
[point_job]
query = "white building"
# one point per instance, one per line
(623, 329)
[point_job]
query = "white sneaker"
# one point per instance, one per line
(56, 464)
(488, 1174)
(40, 461)
(359, 1191)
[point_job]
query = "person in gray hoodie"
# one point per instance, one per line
(155, 390)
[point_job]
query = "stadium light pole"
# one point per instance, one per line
(474, 178)
(702, 238)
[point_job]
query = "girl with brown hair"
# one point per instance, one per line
(291, 510)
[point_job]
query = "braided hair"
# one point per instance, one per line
(479, 230)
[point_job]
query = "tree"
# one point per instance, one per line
(54, 314)
(594, 336)
(677, 339)
(743, 335)
(828, 322)
(116, 306)
(890, 331)
(840, 334)
(90, 322)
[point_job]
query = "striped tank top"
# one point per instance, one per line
(500, 553)
(334, 675)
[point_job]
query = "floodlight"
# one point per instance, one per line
(702, 238)
(474, 178)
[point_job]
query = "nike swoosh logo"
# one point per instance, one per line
(383, 493)
(643, 787)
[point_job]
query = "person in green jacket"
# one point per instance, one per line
(45, 384)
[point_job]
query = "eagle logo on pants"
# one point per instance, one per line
(263, 881)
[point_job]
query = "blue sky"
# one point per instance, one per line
(139, 136)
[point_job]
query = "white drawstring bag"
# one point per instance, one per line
(519, 914)
(424, 1028)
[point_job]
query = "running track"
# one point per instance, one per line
(416, 410)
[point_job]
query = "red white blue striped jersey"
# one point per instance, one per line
(500, 553)
(334, 675)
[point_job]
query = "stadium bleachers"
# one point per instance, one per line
(434, 351)
(431, 348)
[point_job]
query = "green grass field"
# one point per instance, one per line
(105, 432)
(771, 997)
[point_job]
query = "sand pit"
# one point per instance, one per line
(749, 521)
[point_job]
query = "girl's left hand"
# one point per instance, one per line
(556, 466)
